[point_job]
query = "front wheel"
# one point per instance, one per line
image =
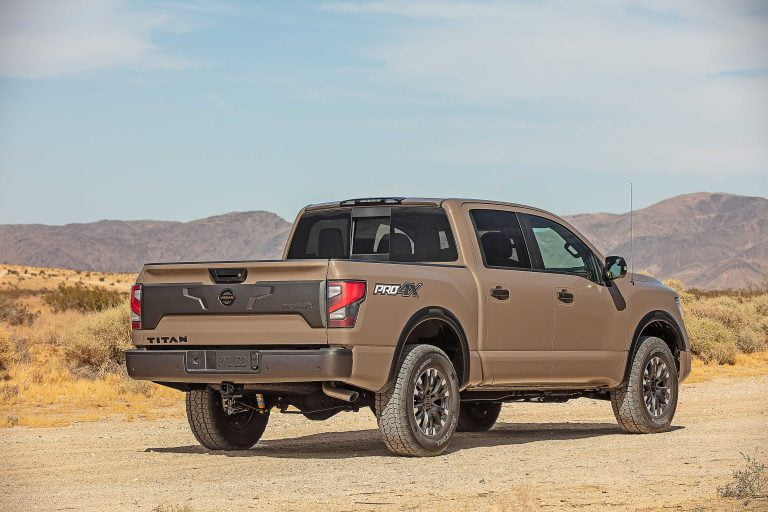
(418, 414)
(478, 416)
(648, 400)
(216, 430)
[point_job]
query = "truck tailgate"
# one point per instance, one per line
(237, 303)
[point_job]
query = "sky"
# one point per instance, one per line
(180, 110)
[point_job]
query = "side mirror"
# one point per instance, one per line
(615, 267)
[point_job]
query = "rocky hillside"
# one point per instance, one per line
(123, 246)
(709, 241)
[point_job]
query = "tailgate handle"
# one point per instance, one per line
(228, 275)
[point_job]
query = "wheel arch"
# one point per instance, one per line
(661, 325)
(455, 344)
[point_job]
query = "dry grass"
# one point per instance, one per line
(42, 278)
(65, 366)
(745, 365)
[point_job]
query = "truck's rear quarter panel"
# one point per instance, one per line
(279, 303)
(382, 317)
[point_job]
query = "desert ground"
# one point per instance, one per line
(538, 457)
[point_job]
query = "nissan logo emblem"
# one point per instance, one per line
(226, 297)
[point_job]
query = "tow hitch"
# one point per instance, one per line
(232, 399)
(231, 394)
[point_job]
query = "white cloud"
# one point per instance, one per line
(655, 85)
(42, 38)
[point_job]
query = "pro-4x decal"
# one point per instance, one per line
(404, 290)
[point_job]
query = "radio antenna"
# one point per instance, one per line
(631, 237)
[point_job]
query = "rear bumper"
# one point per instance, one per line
(266, 366)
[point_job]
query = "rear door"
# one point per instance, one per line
(518, 314)
(590, 325)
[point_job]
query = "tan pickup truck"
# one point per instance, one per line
(430, 312)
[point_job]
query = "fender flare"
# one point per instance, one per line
(656, 316)
(424, 315)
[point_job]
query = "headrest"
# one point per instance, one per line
(330, 243)
(383, 247)
(400, 244)
(497, 248)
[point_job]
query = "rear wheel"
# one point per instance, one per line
(647, 402)
(215, 429)
(418, 414)
(478, 416)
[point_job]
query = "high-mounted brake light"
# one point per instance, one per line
(370, 201)
(136, 306)
(344, 299)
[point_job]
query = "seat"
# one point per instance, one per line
(497, 248)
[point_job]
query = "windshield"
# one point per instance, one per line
(407, 234)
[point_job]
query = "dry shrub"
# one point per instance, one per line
(83, 298)
(16, 313)
(747, 484)
(749, 341)
(728, 311)
(760, 305)
(720, 326)
(7, 353)
(711, 340)
(96, 343)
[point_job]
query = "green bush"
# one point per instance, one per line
(83, 298)
(711, 340)
(96, 343)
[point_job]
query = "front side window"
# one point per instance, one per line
(561, 250)
(500, 238)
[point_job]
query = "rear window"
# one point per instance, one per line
(407, 234)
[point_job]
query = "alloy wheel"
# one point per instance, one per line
(431, 401)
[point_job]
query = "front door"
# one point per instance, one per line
(518, 312)
(590, 324)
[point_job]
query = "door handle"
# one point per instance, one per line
(565, 296)
(500, 293)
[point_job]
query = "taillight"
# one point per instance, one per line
(344, 299)
(136, 306)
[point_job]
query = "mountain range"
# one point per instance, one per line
(708, 241)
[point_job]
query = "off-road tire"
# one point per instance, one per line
(478, 416)
(628, 402)
(217, 431)
(395, 406)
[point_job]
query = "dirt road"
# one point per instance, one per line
(547, 457)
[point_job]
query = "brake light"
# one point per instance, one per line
(136, 306)
(344, 299)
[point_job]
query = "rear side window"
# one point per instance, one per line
(500, 239)
(321, 235)
(421, 234)
(407, 234)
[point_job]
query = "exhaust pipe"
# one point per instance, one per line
(346, 395)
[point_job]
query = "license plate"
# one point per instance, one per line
(237, 360)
